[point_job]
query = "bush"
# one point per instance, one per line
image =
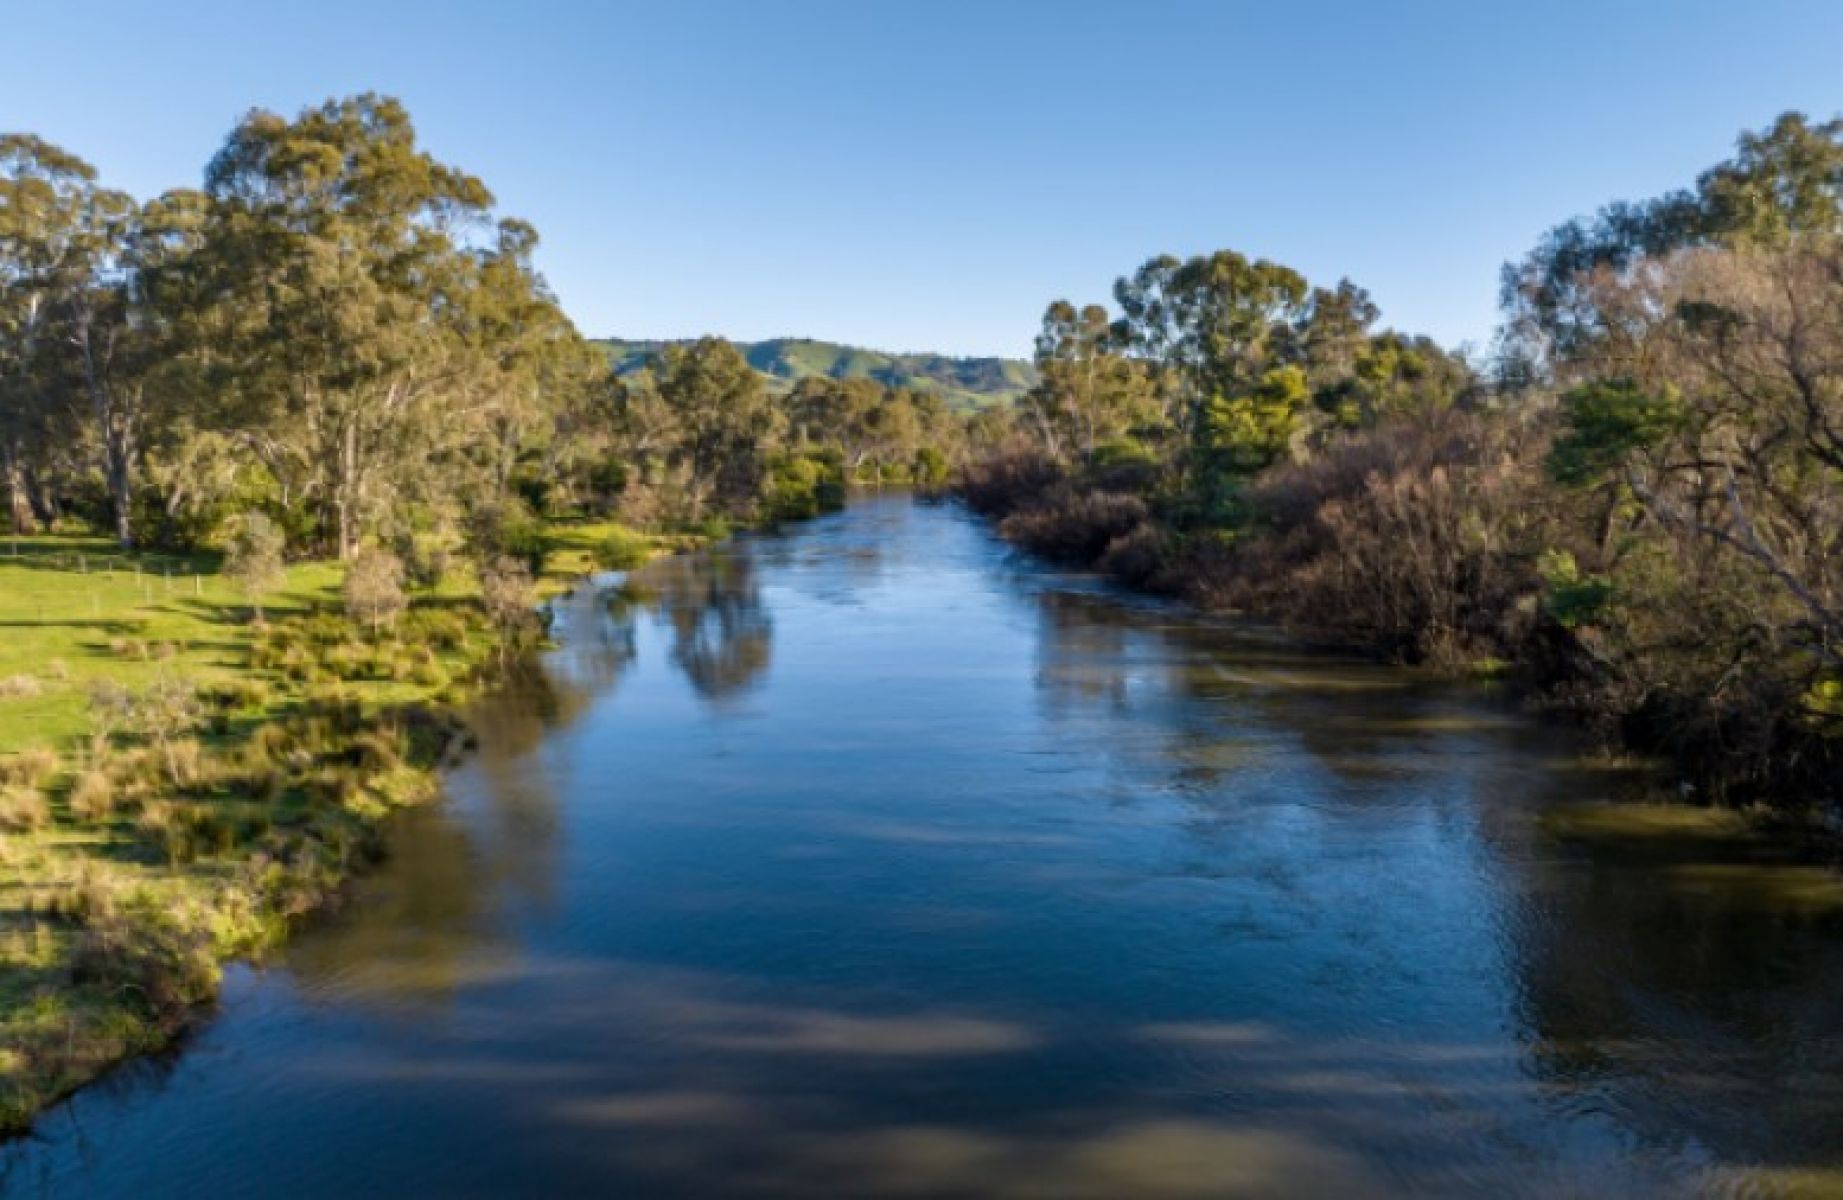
(254, 559)
(32, 767)
(1137, 559)
(712, 529)
(162, 962)
(623, 550)
(92, 796)
(373, 589)
(185, 761)
(509, 530)
(1413, 538)
(237, 695)
(439, 628)
(1075, 527)
(510, 598)
(930, 467)
(801, 486)
(425, 560)
(1008, 480)
(23, 809)
(19, 687)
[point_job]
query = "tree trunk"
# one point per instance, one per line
(345, 492)
(19, 504)
(114, 427)
(119, 450)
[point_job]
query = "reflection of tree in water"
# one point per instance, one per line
(722, 635)
(520, 814)
(413, 932)
(1081, 652)
(595, 641)
(1686, 984)
(1143, 686)
(526, 702)
(1687, 980)
(422, 925)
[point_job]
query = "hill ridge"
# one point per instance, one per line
(964, 381)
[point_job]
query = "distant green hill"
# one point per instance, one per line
(962, 382)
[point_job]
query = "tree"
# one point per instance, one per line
(337, 277)
(538, 376)
(1782, 183)
(48, 217)
(120, 322)
(373, 588)
(1243, 434)
(1215, 325)
(1087, 392)
(509, 596)
(723, 422)
(161, 714)
(839, 414)
(253, 558)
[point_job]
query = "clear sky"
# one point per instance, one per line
(927, 175)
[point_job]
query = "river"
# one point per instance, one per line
(875, 860)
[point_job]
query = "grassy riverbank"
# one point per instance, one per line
(179, 784)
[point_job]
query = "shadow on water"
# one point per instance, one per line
(874, 860)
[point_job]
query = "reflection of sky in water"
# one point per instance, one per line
(873, 860)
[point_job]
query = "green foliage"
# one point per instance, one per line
(1823, 704)
(608, 478)
(712, 529)
(1239, 436)
(713, 422)
(1571, 598)
(1089, 391)
(509, 530)
(1245, 433)
(930, 467)
(801, 486)
(623, 550)
(1123, 452)
(1605, 422)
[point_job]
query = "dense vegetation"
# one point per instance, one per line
(964, 383)
(286, 460)
(1635, 503)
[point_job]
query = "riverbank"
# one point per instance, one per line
(179, 785)
(1454, 594)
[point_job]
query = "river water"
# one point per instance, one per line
(873, 860)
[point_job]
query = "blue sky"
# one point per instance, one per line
(929, 175)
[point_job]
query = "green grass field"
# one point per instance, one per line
(75, 610)
(115, 913)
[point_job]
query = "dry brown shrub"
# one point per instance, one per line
(1075, 527)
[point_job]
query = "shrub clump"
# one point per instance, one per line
(19, 687)
(373, 590)
(1011, 479)
(162, 962)
(23, 809)
(92, 795)
(32, 767)
(623, 550)
(1075, 527)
